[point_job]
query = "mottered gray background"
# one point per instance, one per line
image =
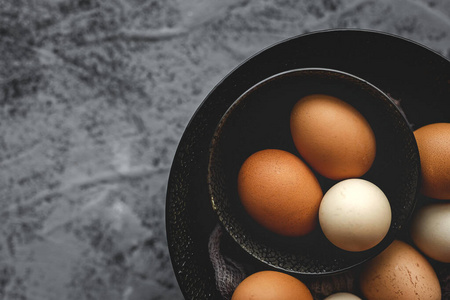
(94, 98)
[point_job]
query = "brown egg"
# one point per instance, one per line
(332, 136)
(271, 285)
(280, 192)
(399, 273)
(433, 141)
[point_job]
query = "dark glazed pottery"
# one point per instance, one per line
(408, 72)
(259, 120)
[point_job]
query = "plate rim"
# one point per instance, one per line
(182, 140)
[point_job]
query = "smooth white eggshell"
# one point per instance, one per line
(342, 296)
(355, 214)
(430, 231)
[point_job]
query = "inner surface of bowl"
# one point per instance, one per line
(259, 120)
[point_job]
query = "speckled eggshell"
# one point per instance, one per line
(280, 192)
(270, 285)
(332, 136)
(433, 141)
(399, 273)
(355, 214)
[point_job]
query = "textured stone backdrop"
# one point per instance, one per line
(94, 97)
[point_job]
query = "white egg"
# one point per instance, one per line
(342, 296)
(355, 214)
(430, 231)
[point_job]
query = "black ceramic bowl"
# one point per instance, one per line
(259, 119)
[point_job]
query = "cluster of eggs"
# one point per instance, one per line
(399, 273)
(280, 191)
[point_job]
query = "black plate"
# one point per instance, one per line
(409, 72)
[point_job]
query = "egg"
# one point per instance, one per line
(271, 285)
(430, 231)
(332, 136)
(433, 141)
(280, 192)
(355, 214)
(342, 296)
(399, 273)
